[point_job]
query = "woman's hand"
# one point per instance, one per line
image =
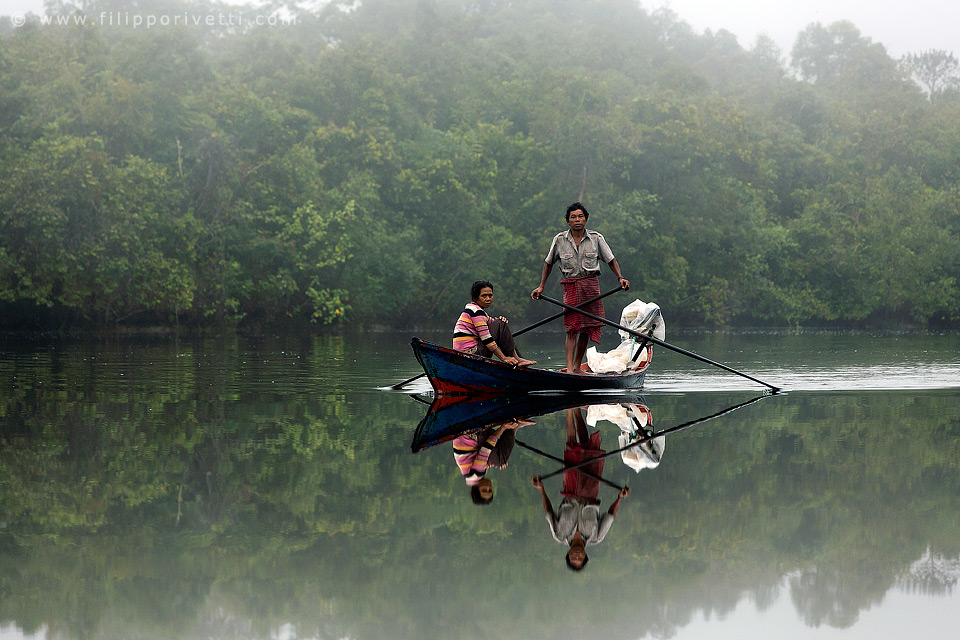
(510, 360)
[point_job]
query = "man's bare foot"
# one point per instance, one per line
(525, 363)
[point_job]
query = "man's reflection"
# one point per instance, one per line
(477, 452)
(578, 522)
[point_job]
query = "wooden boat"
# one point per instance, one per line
(451, 416)
(455, 373)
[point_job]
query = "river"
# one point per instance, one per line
(265, 488)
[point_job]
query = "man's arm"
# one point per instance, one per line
(544, 274)
(615, 507)
(615, 267)
(547, 507)
(603, 527)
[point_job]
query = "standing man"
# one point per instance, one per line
(579, 250)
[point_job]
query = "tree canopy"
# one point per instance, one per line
(363, 163)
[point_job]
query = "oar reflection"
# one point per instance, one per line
(578, 521)
(484, 432)
(647, 438)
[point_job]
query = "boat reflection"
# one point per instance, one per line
(641, 446)
(484, 432)
(483, 429)
(452, 416)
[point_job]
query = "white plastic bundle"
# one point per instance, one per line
(639, 316)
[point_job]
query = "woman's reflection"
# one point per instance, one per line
(477, 452)
(578, 522)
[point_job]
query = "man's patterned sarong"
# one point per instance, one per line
(575, 292)
(577, 484)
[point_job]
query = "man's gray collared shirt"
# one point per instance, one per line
(576, 514)
(577, 262)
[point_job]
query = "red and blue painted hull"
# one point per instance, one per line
(452, 416)
(455, 373)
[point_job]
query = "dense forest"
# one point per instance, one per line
(361, 164)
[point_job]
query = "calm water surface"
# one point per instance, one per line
(240, 488)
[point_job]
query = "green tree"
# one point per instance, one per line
(936, 70)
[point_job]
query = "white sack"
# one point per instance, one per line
(637, 315)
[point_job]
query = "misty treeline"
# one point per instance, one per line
(366, 164)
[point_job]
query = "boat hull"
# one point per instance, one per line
(455, 373)
(452, 416)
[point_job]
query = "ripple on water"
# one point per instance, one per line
(853, 378)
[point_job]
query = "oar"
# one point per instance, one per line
(679, 427)
(563, 313)
(520, 332)
(555, 459)
(650, 338)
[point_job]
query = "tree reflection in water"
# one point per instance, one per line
(217, 488)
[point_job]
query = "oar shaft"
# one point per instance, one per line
(555, 459)
(563, 313)
(406, 382)
(656, 341)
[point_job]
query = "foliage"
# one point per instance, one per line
(936, 70)
(366, 162)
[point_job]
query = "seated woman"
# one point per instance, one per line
(479, 334)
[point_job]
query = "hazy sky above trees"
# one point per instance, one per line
(902, 26)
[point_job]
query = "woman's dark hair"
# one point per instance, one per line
(576, 206)
(478, 287)
(477, 498)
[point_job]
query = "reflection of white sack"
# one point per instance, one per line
(615, 413)
(635, 424)
(639, 316)
(648, 454)
(642, 456)
(629, 417)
